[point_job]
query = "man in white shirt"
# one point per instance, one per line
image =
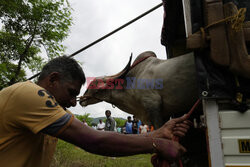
(143, 128)
(100, 125)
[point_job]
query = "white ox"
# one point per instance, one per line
(162, 88)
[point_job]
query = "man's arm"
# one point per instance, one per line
(116, 144)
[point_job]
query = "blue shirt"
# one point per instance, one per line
(129, 127)
(138, 126)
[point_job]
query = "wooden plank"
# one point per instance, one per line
(195, 41)
(212, 1)
(218, 45)
(240, 60)
(247, 33)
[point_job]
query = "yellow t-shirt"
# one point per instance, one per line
(25, 109)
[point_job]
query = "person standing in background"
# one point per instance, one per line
(151, 128)
(110, 124)
(138, 126)
(84, 122)
(119, 130)
(128, 125)
(100, 125)
(144, 128)
(134, 126)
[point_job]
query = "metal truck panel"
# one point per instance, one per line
(235, 132)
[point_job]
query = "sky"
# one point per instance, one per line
(95, 18)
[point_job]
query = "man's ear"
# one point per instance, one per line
(53, 78)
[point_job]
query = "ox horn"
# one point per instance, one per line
(123, 73)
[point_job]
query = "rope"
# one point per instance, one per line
(121, 27)
(238, 19)
(107, 35)
(239, 95)
(236, 22)
(156, 160)
(175, 138)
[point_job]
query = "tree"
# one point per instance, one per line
(120, 122)
(85, 117)
(28, 28)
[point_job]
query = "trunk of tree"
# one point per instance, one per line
(22, 56)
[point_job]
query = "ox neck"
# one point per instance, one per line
(118, 99)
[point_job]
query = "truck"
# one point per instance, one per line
(217, 33)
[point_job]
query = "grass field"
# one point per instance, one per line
(68, 155)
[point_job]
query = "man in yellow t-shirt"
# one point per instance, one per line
(33, 115)
(27, 109)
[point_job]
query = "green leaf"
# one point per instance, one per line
(28, 27)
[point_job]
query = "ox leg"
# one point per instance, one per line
(153, 108)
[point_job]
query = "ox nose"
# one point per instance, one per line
(83, 103)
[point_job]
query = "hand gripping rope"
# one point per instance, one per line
(156, 160)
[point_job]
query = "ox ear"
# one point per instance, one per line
(124, 72)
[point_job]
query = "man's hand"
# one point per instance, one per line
(169, 150)
(175, 127)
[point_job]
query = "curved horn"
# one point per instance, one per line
(123, 73)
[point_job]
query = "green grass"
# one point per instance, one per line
(68, 155)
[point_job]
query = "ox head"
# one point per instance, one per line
(100, 88)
